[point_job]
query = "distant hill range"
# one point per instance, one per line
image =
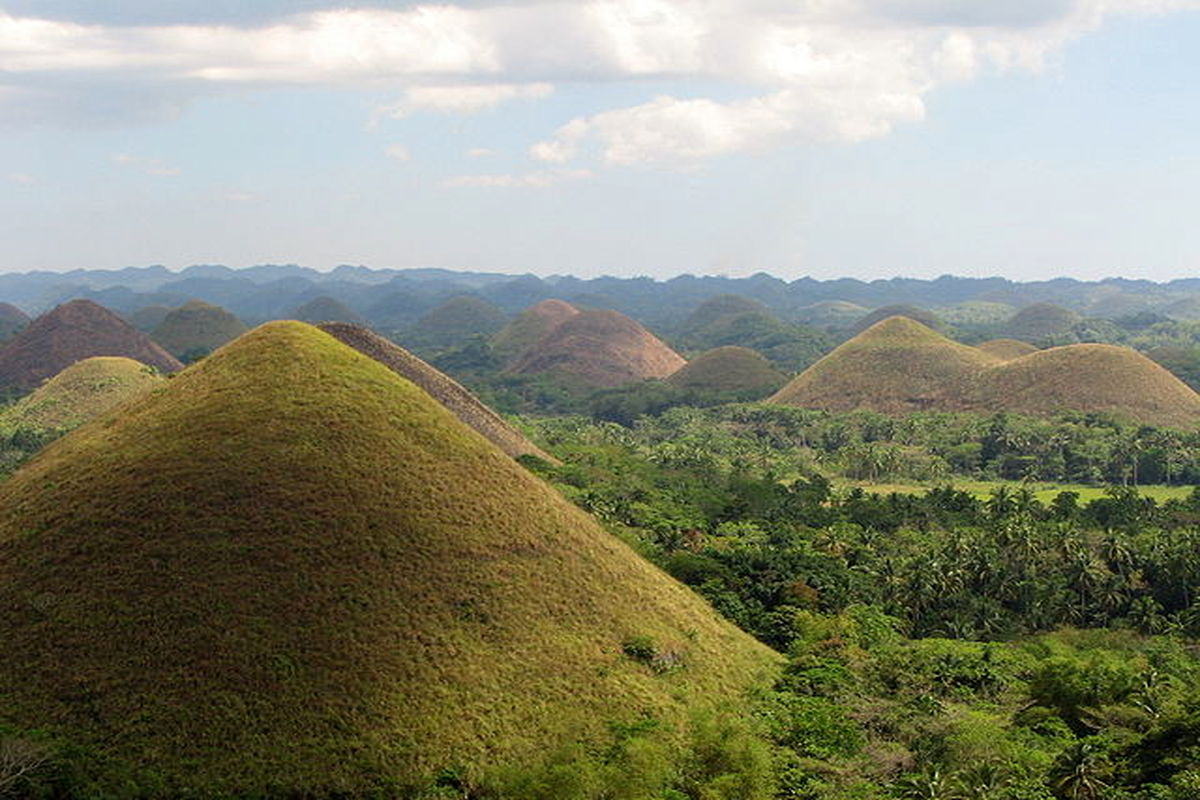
(899, 366)
(293, 573)
(72, 332)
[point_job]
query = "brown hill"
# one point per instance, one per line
(71, 332)
(12, 320)
(292, 574)
(728, 369)
(529, 326)
(451, 394)
(599, 348)
(1007, 349)
(898, 366)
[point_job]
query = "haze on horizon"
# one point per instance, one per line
(861, 138)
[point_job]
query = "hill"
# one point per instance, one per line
(232, 632)
(789, 347)
(722, 305)
(147, 318)
(599, 348)
(197, 328)
(728, 369)
(926, 318)
(72, 332)
(831, 314)
(451, 394)
(327, 309)
(895, 366)
(898, 366)
(529, 326)
(455, 321)
(82, 391)
(1040, 321)
(1007, 349)
(12, 320)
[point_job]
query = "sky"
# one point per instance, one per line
(830, 138)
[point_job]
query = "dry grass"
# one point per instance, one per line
(72, 332)
(197, 325)
(530, 326)
(728, 369)
(601, 349)
(81, 392)
(898, 366)
(1007, 349)
(292, 572)
(447, 391)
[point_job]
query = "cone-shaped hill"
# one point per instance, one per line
(599, 348)
(729, 369)
(327, 309)
(721, 305)
(81, 392)
(1039, 321)
(898, 366)
(1007, 349)
(455, 321)
(12, 320)
(895, 366)
(529, 326)
(926, 318)
(71, 332)
(447, 391)
(291, 572)
(197, 328)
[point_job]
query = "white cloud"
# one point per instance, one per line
(798, 70)
(532, 180)
(480, 152)
(398, 152)
(150, 166)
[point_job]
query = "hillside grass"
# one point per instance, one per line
(291, 572)
(79, 393)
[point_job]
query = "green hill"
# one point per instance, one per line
(292, 573)
(447, 391)
(81, 392)
(529, 326)
(455, 321)
(722, 305)
(1040, 321)
(790, 348)
(728, 369)
(926, 318)
(147, 318)
(12, 320)
(899, 366)
(197, 328)
(327, 309)
(831, 314)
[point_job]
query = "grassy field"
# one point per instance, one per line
(1045, 492)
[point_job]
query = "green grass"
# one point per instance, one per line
(292, 572)
(1044, 492)
(197, 326)
(79, 393)
(728, 369)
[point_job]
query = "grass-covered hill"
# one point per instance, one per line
(1040, 321)
(529, 326)
(447, 391)
(198, 328)
(72, 332)
(831, 314)
(81, 392)
(898, 366)
(728, 369)
(147, 318)
(12, 320)
(921, 315)
(599, 349)
(455, 321)
(1007, 349)
(722, 305)
(327, 309)
(293, 573)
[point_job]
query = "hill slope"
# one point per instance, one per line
(72, 332)
(599, 348)
(327, 309)
(179, 603)
(899, 366)
(12, 320)
(1040, 321)
(1007, 349)
(81, 392)
(926, 318)
(197, 326)
(728, 369)
(529, 326)
(451, 394)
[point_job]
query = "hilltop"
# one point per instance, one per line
(451, 394)
(455, 321)
(529, 326)
(599, 348)
(327, 309)
(82, 391)
(69, 333)
(926, 318)
(235, 633)
(12, 320)
(728, 369)
(1040, 321)
(1007, 349)
(898, 366)
(197, 328)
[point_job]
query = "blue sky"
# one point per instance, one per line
(868, 138)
